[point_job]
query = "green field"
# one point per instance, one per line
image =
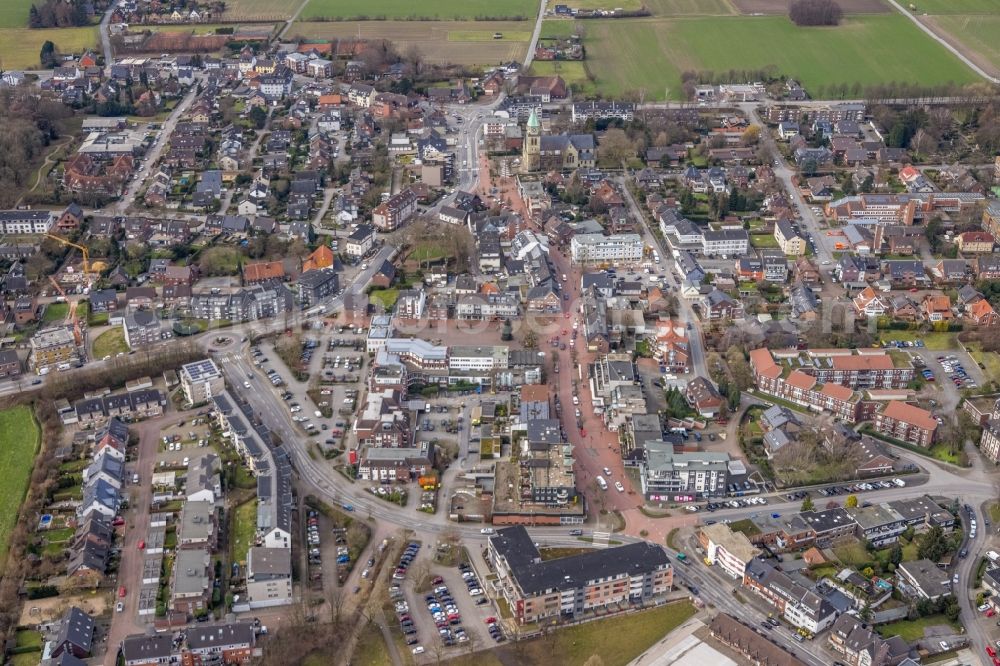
(19, 47)
(19, 440)
(402, 9)
(976, 33)
(650, 54)
(573, 73)
(260, 10)
(953, 6)
(14, 13)
(557, 29)
(487, 36)
(110, 343)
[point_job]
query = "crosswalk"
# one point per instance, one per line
(601, 539)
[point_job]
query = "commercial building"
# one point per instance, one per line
(801, 607)
(731, 551)
(611, 579)
(682, 477)
(201, 381)
(598, 248)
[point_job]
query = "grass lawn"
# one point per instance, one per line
(995, 512)
(574, 72)
(913, 630)
(763, 240)
(650, 54)
(242, 530)
(932, 341)
(19, 47)
(746, 526)
(556, 553)
(943, 453)
(487, 36)
(401, 9)
(26, 659)
(853, 554)
(371, 649)
(429, 251)
(110, 343)
(29, 638)
(55, 312)
(561, 28)
(617, 641)
(386, 297)
(989, 359)
(19, 440)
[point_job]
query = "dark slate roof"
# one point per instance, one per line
(534, 576)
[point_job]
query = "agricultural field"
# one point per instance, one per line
(432, 38)
(975, 36)
(19, 47)
(19, 439)
(953, 6)
(650, 54)
(443, 10)
(206, 28)
(488, 36)
(756, 7)
(260, 10)
(690, 7)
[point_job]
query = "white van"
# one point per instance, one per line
(602, 483)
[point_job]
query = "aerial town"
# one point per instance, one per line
(335, 336)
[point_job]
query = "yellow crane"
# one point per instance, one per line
(81, 248)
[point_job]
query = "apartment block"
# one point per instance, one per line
(597, 248)
(731, 551)
(201, 381)
(611, 579)
(906, 423)
(395, 211)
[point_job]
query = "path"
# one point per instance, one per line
(106, 38)
(943, 42)
(530, 55)
(289, 22)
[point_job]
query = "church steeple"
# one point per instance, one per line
(531, 152)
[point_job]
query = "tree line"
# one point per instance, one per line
(815, 12)
(58, 14)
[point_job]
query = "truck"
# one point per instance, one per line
(602, 483)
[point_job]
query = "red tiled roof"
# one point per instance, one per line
(907, 413)
(836, 391)
(763, 363)
(263, 270)
(800, 380)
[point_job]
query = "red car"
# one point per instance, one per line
(437, 580)
(121, 591)
(990, 613)
(990, 651)
(142, 545)
(491, 620)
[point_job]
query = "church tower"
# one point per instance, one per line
(531, 156)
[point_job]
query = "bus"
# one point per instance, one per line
(602, 483)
